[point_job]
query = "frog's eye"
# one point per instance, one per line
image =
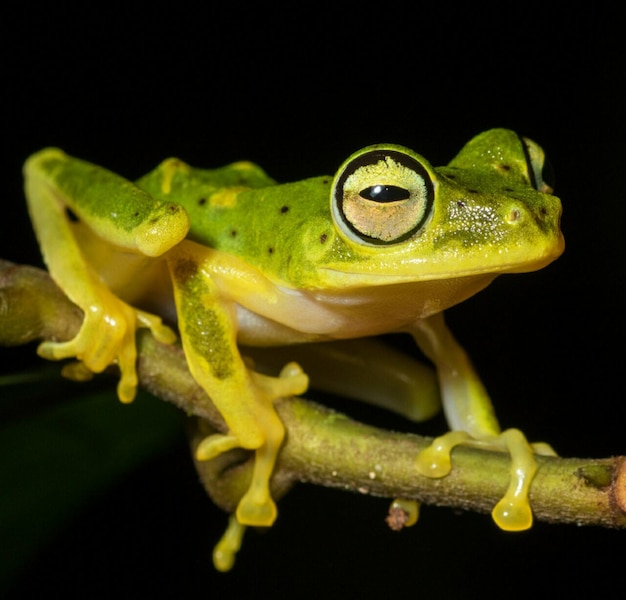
(539, 167)
(382, 196)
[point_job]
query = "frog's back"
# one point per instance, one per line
(240, 210)
(204, 193)
(175, 180)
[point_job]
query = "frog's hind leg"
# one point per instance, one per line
(472, 421)
(512, 512)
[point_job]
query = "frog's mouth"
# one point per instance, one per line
(540, 261)
(397, 269)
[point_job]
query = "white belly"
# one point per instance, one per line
(305, 316)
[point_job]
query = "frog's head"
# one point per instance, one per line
(399, 219)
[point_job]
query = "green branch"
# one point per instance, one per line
(324, 447)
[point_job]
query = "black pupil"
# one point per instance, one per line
(385, 193)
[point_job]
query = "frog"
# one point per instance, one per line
(226, 258)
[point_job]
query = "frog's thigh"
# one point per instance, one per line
(364, 369)
(472, 420)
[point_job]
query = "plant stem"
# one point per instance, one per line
(324, 447)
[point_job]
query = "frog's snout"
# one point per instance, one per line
(546, 216)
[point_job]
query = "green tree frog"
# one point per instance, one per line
(385, 245)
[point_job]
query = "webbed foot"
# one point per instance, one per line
(513, 511)
(435, 461)
(106, 336)
(264, 434)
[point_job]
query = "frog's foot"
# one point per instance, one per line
(106, 336)
(435, 461)
(264, 434)
(228, 546)
(292, 381)
(216, 444)
(256, 507)
(513, 511)
(162, 333)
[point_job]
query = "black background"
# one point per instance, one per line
(296, 89)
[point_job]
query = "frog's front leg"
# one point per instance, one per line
(106, 336)
(472, 420)
(245, 399)
(116, 212)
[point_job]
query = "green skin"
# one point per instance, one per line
(384, 246)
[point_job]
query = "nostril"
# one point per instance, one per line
(513, 216)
